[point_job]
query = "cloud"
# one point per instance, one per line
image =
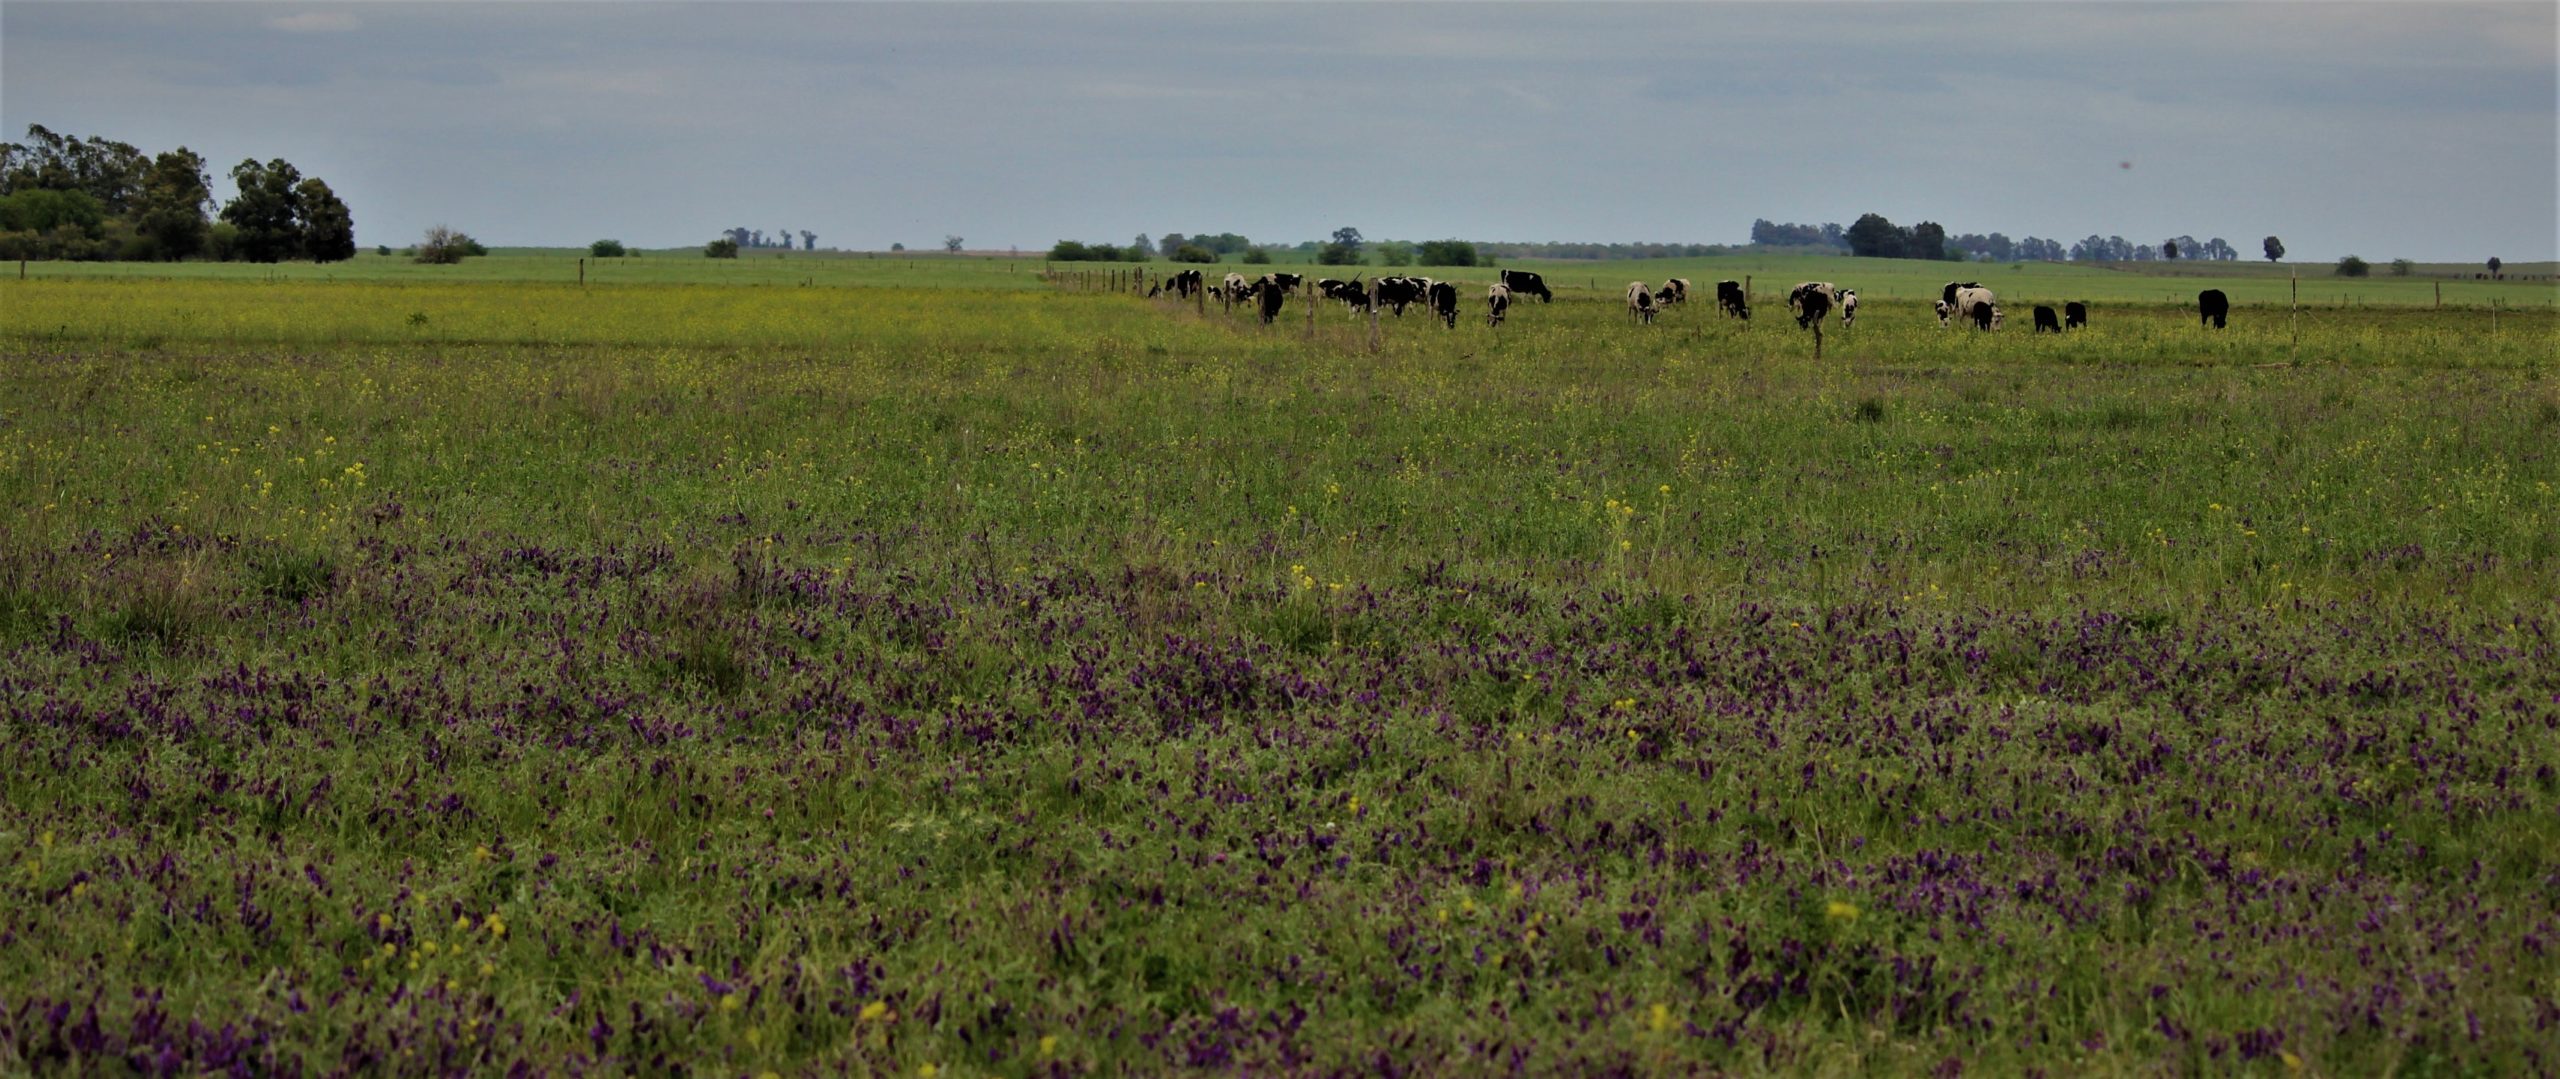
(315, 22)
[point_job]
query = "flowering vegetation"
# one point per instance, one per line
(445, 678)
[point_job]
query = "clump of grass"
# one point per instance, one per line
(168, 603)
(293, 576)
(1869, 410)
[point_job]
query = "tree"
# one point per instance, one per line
(1194, 253)
(1395, 253)
(2401, 267)
(1338, 254)
(1926, 240)
(606, 249)
(2494, 264)
(328, 230)
(1140, 251)
(1257, 255)
(265, 212)
(808, 240)
(1448, 253)
(2274, 248)
(1348, 237)
(951, 244)
(2169, 250)
(444, 246)
(1874, 236)
(2352, 266)
(171, 210)
(1170, 245)
(725, 247)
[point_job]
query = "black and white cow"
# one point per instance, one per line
(1675, 290)
(1731, 301)
(1444, 302)
(1848, 307)
(2212, 306)
(1947, 305)
(1288, 282)
(2075, 315)
(1236, 285)
(1350, 293)
(1977, 304)
(1394, 293)
(1640, 303)
(2048, 319)
(1811, 300)
(1524, 283)
(1497, 303)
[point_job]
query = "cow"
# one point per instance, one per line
(1349, 292)
(1811, 301)
(1731, 301)
(1271, 293)
(1394, 293)
(2048, 319)
(1976, 303)
(1288, 282)
(2212, 306)
(1444, 302)
(2075, 315)
(1675, 290)
(1524, 283)
(1640, 303)
(1848, 307)
(1947, 305)
(1497, 302)
(1236, 285)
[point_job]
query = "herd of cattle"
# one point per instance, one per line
(1811, 301)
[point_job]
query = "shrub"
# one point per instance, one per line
(444, 246)
(722, 248)
(1257, 256)
(2352, 266)
(606, 249)
(1194, 253)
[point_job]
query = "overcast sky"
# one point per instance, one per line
(2403, 129)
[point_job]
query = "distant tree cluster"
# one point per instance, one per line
(1078, 251)
(781, 240)
(1222, 244)
(97, 199)
(1767, 233)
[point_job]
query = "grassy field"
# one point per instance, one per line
(731, 676)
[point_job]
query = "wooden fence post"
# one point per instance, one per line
(582, 273)
(2293, 352)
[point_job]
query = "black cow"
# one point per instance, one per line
(2212, 306)
(1811, 300)
(1731, 301)
(1351, 292)
(1524, 283)
(2048, 319)
(1444, 302)
(1985, 315)
(2075, 315)
(1271, 293)
(1393, 293)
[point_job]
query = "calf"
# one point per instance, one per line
(1497, 302)
(2075, 315)
(1848, 307)
(2212, 306)
(1527, 284)
(1978, 304)
(1640, 302)
(2047, 319)
(1444, 302)
(1985, 315)
(1731, 301)
(1675, 290)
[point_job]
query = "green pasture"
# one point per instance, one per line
(968, 676)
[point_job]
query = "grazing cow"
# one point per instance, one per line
(2048, 319)
(1288, 282)
(1947, 305)
(1271, 294)
(2075, 315)
(1675, 290)
(1527, 284)
(1497, 302)
(1731, 301)
(1978, 304)
(1236, 285)
(2212, 306)
(1351, 293)
(1393, 293)
(1640, 303)
(1811, 300)
(1444, 302)
(1848, 307)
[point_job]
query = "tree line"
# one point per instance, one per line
(97, 199)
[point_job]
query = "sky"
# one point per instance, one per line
(2423, 129)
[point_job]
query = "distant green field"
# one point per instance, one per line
(2019, 284)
